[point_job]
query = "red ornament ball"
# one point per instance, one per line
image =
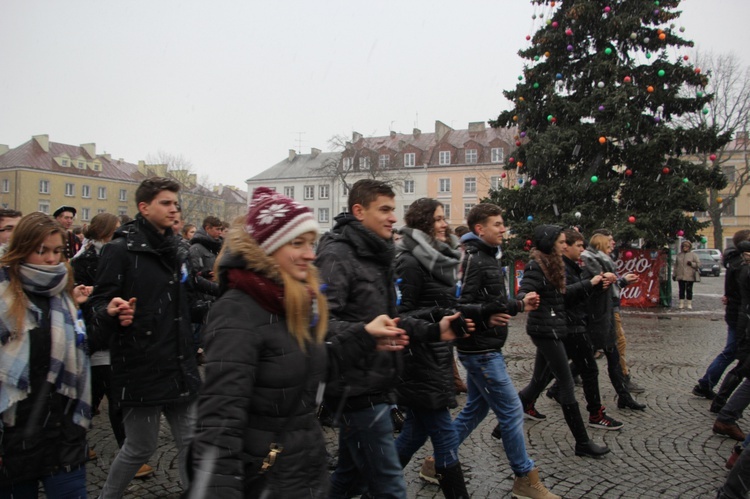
(528, 37)
(665, 170)
(511, 159)
(697, 71)
(712, 157)
(502, 175)
(533, 182)
(680, 233)
(631, 219)
(628, 254)
(518, 143)
(628, 172)
(627, 79)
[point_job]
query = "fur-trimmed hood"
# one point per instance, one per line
(241, 251)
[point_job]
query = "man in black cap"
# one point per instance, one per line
(64, 216)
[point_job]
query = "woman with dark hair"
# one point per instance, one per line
(547, 326)
(45, 393)
(427, 265)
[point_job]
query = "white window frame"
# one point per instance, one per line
(444, 158)
(409, 186)
(324, 191)
(383, 161)
(101, 192)
(444, 185)
(472, 156)
(289, 191)
(346, 163)
(122, 210)
(309, 192)
(323, 215)
(70, 189)
(81, 165)
(44, 206)
(497, 155)
(447, 210)
(64, 162)
(123, 194)
(410, 160)
(467, 209)
(364, 162)
(6, 185)
(495, 182)
(470, 185)
(44, 187)
(86, 191)
(85, 214)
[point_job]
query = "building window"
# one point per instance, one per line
(100, 210)
(6, 185)
(44, 187)
(727, 208)
(81, 165)
(495, 182)
(364, 163)
(729, 172)
(408, 187)
(444, 158)
(102, 193)
(323, 191)
(69, 189)
(410, 159)
(470, 184)
(471, 156)
(347, 163)
(289, 192)
(383, 161)
(447, 210)
(323, 215)
(496, 155)
(444, 185)
(85, 191)
(123, 195)
(44, 206)
(85, 214)
(64, 162)
(467, 208)
(122, 210)
(406, 208)
(309, 192)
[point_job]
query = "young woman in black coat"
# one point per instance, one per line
(547, 326)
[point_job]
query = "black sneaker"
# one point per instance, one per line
(701, 391)
(604, 422)
(530, 412)
(398, 419)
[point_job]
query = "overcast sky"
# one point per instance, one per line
(231, 86)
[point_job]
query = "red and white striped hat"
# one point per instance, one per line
(274, 220)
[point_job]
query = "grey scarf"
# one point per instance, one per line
(439, 258)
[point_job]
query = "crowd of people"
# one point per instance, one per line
(360, 322)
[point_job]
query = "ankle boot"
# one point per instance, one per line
(531, 487)
(626, 401)
(452, 482)
(584, 446)
(730, 383)
(553, 392)
(682, 304)
(689, 304)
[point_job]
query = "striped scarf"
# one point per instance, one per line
(68, 364)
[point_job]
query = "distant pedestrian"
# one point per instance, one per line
(65, 215)
(687, 270)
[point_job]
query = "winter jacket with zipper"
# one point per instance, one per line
(548, 321)
(483, 283)
(85, 266)
(203, 251)
(684, 272)
(44, 439)
(577, 292)
(600, 320)
(260, 387)
(356, 268)
(427, 381)
(153, 359)
(733, 264)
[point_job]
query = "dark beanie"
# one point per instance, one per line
(545, 237)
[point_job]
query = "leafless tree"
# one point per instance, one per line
(195, 197)
(729, 111)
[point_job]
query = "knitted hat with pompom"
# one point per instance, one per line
(274, 220)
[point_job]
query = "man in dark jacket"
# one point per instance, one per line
(204, 248)
(355, 262)
(140, 299)
(705, 388)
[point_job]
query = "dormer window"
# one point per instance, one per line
(82, 165)
(64, 162)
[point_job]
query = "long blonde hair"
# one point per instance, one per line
(27, 237)
(600, 242)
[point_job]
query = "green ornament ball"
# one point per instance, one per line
(685, 180)
(536, 57)
(549, 117)
(608, 51)
(520, 78)
(536, 85)
(594, 179)
(699, 94)
(704, 239)
(656, 3)
(661, 72)
(705, 110)
(648, 55)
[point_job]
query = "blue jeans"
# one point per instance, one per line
(435, 423)
(62, 485)
(367, 455)
(490, 387)
(721, 362)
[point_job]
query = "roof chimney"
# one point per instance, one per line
(292, 155)
(393, 134)
(43, 141)
(356, 136)
(441, 130)
(314, 152)
(477, 126)
(3, 149)
(90, 149)
(416, 132)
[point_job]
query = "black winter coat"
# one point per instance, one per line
(577, 293)
(356, 267)
(733, 262)
(427, 381)
(84, 267)
(153, 360)
(600, 321)
(483, 284)
(549, 320)
(45, 439)
(203, 252)
(258, 382)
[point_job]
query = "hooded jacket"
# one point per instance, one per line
(153, 361)
(260, 387)
(356, 267)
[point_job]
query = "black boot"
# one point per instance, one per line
(452, 482)
(584, 446)
(730, 383)
(553, 392)
(626, 401)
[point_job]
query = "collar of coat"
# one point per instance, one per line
(241, 251)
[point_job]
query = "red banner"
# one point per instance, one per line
(646, 264)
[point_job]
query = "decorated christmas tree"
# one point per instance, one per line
(602, 139)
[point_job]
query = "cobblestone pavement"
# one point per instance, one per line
(666, 451)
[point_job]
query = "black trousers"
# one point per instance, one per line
(685, 289)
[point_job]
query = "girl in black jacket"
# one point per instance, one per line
(265, 361)
(426, 265)
(547, 326)
(45, 400)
